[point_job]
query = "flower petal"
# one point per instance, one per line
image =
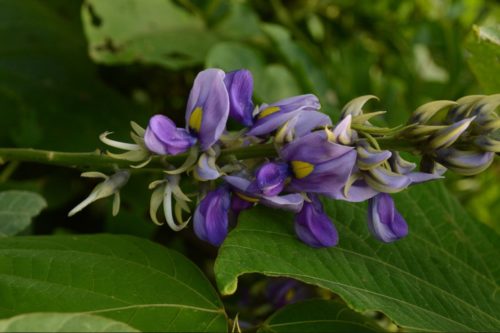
(273, 116)
(314, 227)
(162, 137)
(384, 221)
(208, 107)
(239, 85)
(211, 216)
(270, 178)
(313, 148)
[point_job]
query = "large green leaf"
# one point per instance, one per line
(318, 316)
(50, 92)
(124, 278)
(484, 57)
(153, 31)
(443, 277)
(62, 322)
(16, 210)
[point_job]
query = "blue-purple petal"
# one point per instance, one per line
(313, 148)
(239, 85)
(287, 109)
(205, 170)
(314, 227)
(327, 177)
(210, 94)
(384, 221)
(290, 202)
(163, 137)
(271, 177)
(211, 216)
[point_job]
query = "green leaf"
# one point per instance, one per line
(124, 278)
(153, 31)
(51, 95)
(318, 316)
(484, 57)
(17, 208)
(443, 277)
(62, 322)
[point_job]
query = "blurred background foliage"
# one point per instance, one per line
(70, 70)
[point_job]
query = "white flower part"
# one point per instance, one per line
(111, 185)
(117, 144)
(188, 163)
(167, 210)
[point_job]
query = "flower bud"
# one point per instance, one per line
(211, 216)
(355, 106)
(384, 180)
(313, 226)
(425, 112)
(110, 186)
(447, 136)
(369, 157)
(384, 221)
(487, 143)
(465, 162)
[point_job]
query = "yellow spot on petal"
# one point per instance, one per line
(246, 197)
(268, 111)
(195, 119)
(301, 169)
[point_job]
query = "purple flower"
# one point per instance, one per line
(208, 107)
(162, 137)
(270, 178)
(384, 221)
(273, 116)
(313, 226)
(318, 165)
(239, 85)
(211, 216)
(206, 116)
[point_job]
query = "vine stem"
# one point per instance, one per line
(98, 160)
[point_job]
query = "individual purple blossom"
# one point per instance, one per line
(384, 221)
(271, 178)
(273, 116)
(313, 226)
(318, 165)
(239, 85)
(211, 216)
(206, 116)
(164, 138)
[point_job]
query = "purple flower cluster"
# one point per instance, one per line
(313, 158)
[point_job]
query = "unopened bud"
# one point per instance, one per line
(355, 106)
(465, 162)
(425, 112)
(447, 136)
(386, 181)
(110, 186)
(488, 143)
(369, 157)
